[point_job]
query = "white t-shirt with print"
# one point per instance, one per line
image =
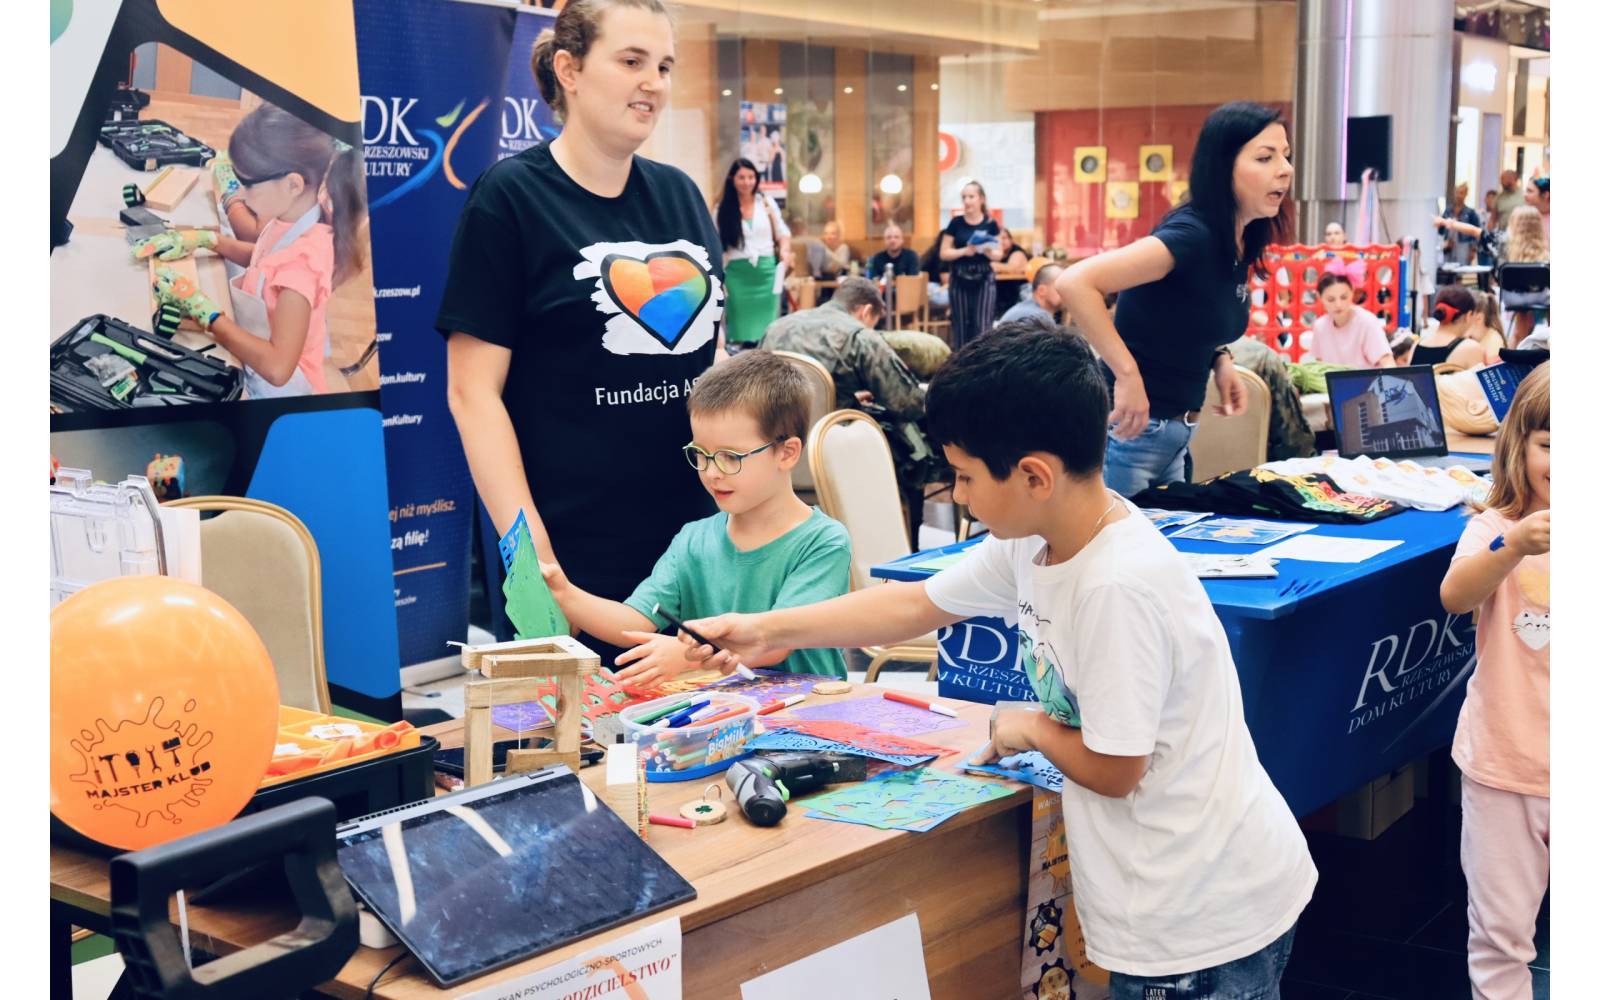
(1203, 863)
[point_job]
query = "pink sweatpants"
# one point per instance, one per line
(1505, 853)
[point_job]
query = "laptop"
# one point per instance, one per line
(1393, 413)
(487, 876)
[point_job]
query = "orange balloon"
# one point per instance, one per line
(163, 711)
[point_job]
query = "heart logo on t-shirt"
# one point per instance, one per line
(1533, 629)
(663, 293)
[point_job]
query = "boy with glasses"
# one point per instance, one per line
(764, 548)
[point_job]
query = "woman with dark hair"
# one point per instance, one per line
(969, 245)
(1184, 296)
(751, 230)
(1451, 341)
(1011, 264)
(584, 297)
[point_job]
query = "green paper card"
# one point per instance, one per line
(531, 607)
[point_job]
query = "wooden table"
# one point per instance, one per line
(767, 897)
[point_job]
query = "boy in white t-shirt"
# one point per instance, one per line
(1189, 871)
(1346, 334)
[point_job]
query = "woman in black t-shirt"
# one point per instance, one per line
(1184, 294)
(584, 299)
(968, 245)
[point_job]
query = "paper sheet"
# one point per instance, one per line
(1329, 548)
(1241, 531)
(777, 278)
(943, 562)
(884, 962)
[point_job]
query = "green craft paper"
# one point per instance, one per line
(943, 562)
(531, 607)
(916, 800)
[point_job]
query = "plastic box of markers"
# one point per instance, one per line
(687, 752)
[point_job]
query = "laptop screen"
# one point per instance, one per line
(1387, 412)
(491, 875)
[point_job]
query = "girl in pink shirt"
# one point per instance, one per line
(279, 326)
(1501, 568)
(1345, 333)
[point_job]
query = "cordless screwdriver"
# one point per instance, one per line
(763, 783)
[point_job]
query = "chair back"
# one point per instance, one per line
(261, 559)
(819, 384)
(1228, 444)
(856, 486)
(805, 294)
(802, 257)
(910, 296)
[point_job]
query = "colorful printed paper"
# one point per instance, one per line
(529, 604)
(1032, 768)
(880, 714)
(1164, 519)
(1055, 961)
(784, 740)
(603, 695)
(916, 800)
(1241, 531)
(857, 735)
(770, 684)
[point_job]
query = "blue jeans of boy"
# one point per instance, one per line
(1253, 977)
(1159, 455)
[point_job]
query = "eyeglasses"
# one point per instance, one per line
(253, 181)
(729, 462)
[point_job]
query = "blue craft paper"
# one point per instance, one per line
(816, 744)
(1500, 385)
(508, 543)
(1032, 768)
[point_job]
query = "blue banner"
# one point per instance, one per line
(525, 119)
(433, 76)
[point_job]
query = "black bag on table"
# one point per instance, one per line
(1260, 493)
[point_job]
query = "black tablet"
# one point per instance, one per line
(487, 876)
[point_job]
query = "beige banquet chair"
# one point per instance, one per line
(819, 383)
(854, 472)
(261, 559)
(1221, 445)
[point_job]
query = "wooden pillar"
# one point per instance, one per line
(850, 143)
(925, 148)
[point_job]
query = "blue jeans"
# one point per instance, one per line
(1159, 455)
(1253, 977)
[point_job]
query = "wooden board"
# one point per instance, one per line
(171, 188)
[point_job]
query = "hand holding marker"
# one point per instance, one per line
(741, 669)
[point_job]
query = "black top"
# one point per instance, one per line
(906, 264)
(961, 232)
(1433, 355)
(610, 307)
(1173, 326)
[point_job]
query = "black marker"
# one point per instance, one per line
(741, 669)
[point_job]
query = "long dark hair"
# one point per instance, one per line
(1225, 132)
(270, 141)
(730, 223)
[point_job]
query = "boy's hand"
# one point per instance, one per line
(555, 579)
(1530, 536)
(1012, 734)
(740, 637)
(654, 659)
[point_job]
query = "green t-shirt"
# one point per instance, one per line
(702, 574)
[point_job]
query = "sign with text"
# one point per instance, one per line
(644, 965)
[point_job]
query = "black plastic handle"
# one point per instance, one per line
(300, 835)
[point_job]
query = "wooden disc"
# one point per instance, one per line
(704, 813)
(831, 687)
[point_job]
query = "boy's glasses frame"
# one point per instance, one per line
(729, 462)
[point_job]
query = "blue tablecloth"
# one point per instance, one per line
(1347, 670)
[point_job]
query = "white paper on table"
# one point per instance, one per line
(1329, 548)
(180, 529)
(777, 278)
(883, 962)
(654, 963)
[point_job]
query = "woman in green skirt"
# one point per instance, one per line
(754, 239)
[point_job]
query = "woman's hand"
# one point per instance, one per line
(1531, 536)
(1130, 408)
(654, 659)
(740, 638)
(1230, 387)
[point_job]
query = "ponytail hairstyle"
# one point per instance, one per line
(1453, 302)
(1223, 135)
(730, 222)
(270, 142)
(576, 28)
(983, 196)
(1489, 309)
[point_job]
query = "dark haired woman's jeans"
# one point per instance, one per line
(1159, 455)
(1253, 977)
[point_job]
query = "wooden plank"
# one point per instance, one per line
(170, 189)
(480, 747)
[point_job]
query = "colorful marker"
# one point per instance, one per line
(655, 715)
(659, 820)
(778, 705)
(728, 714)
(931, 706)
(672, 720)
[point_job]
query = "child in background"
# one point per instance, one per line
(279, 329)
(764, 549)
(1346, 334)
(1501, 569)
(1189, 871)
(1489, 332)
